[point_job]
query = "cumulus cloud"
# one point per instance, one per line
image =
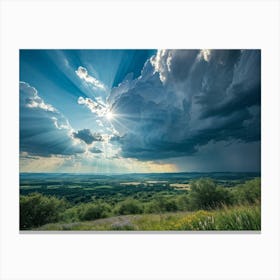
(161, 63)
(44, 131)
(173, 64)
(82, 73)
(95, 150)
(186, 98)
(205, 54)
(30, 98)
(95, 107)
(87, 136)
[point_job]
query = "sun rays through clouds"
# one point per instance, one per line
(118, 111)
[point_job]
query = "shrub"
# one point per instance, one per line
(249, 192)
(152, 207)
(37, 209)
(129, 206)
(205, 194)
(93, 211)
(71, 215)
(183, 202)
(162, 204)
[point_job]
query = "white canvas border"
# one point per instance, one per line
(117, 24)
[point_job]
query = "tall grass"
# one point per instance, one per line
(235, 218)
(243, 217)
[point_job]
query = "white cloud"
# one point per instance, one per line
(98, 108)
(82, 73)
(61, 125)
(44, 130)
(32, 100)
(205, 54)
(162, 63)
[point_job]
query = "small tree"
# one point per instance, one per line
(93, 211)
(183, 202)
(249, 192)
(37, 209)
(205, 194)
(129, 206)
(161, 204)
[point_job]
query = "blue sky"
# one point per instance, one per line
(52, 73)
(121, 111)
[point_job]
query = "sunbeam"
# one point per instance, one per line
(109, 115)
(141, 104)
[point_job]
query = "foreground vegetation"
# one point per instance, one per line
(245, 217)
(206, 206)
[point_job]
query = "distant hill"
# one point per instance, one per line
(141, 176)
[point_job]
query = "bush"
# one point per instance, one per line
(183, 202)
(71, 215)
(37, 209)
(93, 211)
(249, 192)
(162, 204)
(205, 194)
(129, 206)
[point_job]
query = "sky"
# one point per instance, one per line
(140, 111)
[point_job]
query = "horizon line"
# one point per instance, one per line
(120, 173)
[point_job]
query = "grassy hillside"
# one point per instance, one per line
(244, 217)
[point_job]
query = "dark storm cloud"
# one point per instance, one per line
(87, 136)
(232, 156)
(185, 99)
(44, 131)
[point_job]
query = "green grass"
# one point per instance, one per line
(243, 217)
(235, 218)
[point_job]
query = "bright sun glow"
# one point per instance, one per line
(109, 115)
